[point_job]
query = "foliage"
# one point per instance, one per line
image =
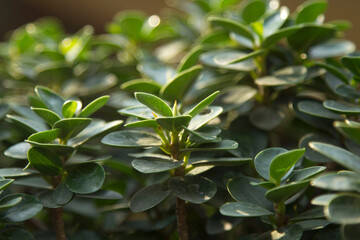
(241, 121)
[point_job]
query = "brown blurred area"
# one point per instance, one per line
(76, 13)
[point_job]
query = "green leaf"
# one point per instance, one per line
(78, 44)
(333, 70)
(177, 87)
(332, 48)
(18, 151)
(316, 109)
(222, 145)
(310, 11)
(143, 123)
(222, 59)
(49, 116)
(62, 195)
(139, 112)
(350, 231)
(282, 163)
(203, 104)
(157, 72)
(205, 116)
(47, 200)
(26, 209)
(248, 56)
(205, 161)
(93, 106)
(235, 97)
(85, 178)
(284, 192)
(266, 118)
(45, 161)
(194, 189)
(142, 85)
(15, 172)
(174, 124)
(287, 76)
(311, 154)
(253, 11)
(344, 209)
(52, 100)
(95, 128)
(273, 22)
(33, 182)
(275, 37)
(204, 134)
(243, 209)
(341, 107)
(341, 181)
(6, 203)
(148, 197)
(103, 194)
(352, 63)
(130, 138)
(30, 125)
(69, 108)
(155, 165)
(242, 190)
(339, 155)
(305, 173)
(71, 127)
(155, 103)
(45, 136)
(232, 26)
(350, 129)
(263, 160)
(4, 183)
(190, 59)
(323, 199)
(59, 149)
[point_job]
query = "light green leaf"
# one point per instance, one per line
(70, 107)
(177, 87)
(4, 183)
(49, 116)
(148, 197)
(282, 163)
(194, 189)
(253, 11)
(94, 106)
(316, 109)
(85, 178)
(45, 161)
(143, 123)
(131, 139)
(207, 115)
(190, 59)
(263, 160)
(285, 192)
(232, 26)
(45, 136)
(142, 85)
(203, 104)
(222, 59)
(155, 165)
(154, 103)
(139, 112)
(310, 11)
(243, 209)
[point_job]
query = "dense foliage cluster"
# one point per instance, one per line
(241, 121)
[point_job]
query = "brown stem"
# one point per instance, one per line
(181, 219)
(57, 214)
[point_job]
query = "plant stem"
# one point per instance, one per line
(280, 214)
(57, 214)
(181, 211)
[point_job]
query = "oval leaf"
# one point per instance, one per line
(130, 138)
(154, 103)
(45, 161)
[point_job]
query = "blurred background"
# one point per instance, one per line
(74, 14)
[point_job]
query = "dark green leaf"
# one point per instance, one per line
(71, 127)
(204, 161)
(253, 10)
(6, 203)
(45, 161)
(139, 112)
(275, 37)
(15, 172)
(174, 124)
(342, 181)
(177, 87)
(350, 129)
(284, 77)
(305, 173)
(194, 189)
(284, 192)
(85, 178)
(316, 109)
(148, 197)
(248, 56)
(34, 182)
(142, 85)
(16, 233)
(344, 209)
(143, 123)
(352, 63)
(203, 104)
(130, 138)
(62, 195)
(18, 151)
(263, 160)
(311, 154)
(266, 118)
(332, 48)
(310, 11)
(49, 116)
(103, 194)
(222, 145)
(53, 101)
(232, 26)
(4, 183)
(339, 155)
(204, 134)
(59, 149)
(30, 125)
(154, 103)
(205, 116)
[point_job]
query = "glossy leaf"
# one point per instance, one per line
(332, 48)
(352, 63)
(49, 116)
(143, 123)
(85, 178)
(93, 106)
(177, 87)
(223, 58)
(6, 203)
(341, 107)
(190, 59)
(59, 149)
(207, 115)
(26, 209)
(52, 100)
(154, 103)
(263, 160)
(232, 26)
(310, 153)
(103, 194)
(344, 209)
(15, 172)
(45, 136)
(18, 151)
(305, 173)
(253, 10)
(139, 112)
(62, 195)
(282, 163)
(194, 189)
(279, 35)
(273, 22)
(243, 209)
(155, 165)
(142, 85)
(203, 104)
(130, 138)
(316, 109)
(45, 161)
(174, 124)
(284, 192)
(266, 118)
(71, 127)
(148, 197)
(30, 125)
(342, 181)
(310, 11)
(284, 77)
(70, 107)
(222, 145)
(350, 129)
(204, 134)
(4, 183)
(203, 161)
(339, 155)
